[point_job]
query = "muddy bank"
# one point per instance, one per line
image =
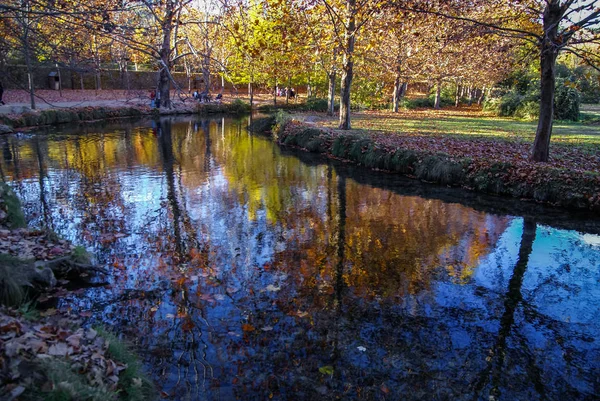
(539, 182)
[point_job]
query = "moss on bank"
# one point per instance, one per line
(541, 183)
(75, 115)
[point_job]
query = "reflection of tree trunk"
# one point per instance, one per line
(42, 174)
(339, 268)
(512, 299)
(207, 144)
(166, 148)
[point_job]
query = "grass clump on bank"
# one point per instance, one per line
(134, 384)
(10, 208)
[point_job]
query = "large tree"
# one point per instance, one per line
(553, 26)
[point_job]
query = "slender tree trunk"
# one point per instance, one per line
(438, 95)
(399, 92)
(331, 92)
(30, 75)
(548, 54)
(471, 90)
(481, 96)
(188, 74)
(251, 93)
(348, 64)
(275, 94)
(287, 92)
(457, 97)
(25, 24)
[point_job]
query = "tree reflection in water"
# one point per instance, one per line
(244, 272)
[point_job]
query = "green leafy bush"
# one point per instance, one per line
(316, 104)
(567, 100)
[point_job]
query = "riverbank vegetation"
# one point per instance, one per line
(476, 161)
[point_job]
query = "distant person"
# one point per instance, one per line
(219, 97)
(292, 93)
(1, 93)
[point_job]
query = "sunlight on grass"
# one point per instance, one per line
(473, 123)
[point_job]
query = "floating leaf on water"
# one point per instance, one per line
(361, 348)
(170, 316)
(326, 370)
(248, 327)
(267, 328)
(273, 288)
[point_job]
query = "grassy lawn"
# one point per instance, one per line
(474, 123)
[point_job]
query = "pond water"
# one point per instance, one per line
(244, 271)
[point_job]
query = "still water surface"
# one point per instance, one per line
(244, 271)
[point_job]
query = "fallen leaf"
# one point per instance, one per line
(248, 327)
(58, 349)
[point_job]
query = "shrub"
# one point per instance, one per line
(567, 101)
(261, 125)
(316, 104)
(10, 204)
(238, 106)
(528, 110)
(12, 292)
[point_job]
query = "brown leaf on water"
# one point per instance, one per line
(248, 327)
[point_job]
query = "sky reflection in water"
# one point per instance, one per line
(242, 271)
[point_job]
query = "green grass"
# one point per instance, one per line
(471, 123)
(134, 385)
(69, 385)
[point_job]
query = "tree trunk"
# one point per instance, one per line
(457, 97)
(251, 93)
(399, 91)
(164, 80)
(438, 95)
(348, 64)
(30, 75)
(481, 95)
(548, 54)
(206, 72)
(331, 92)
(471, 90)
(275, 94)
